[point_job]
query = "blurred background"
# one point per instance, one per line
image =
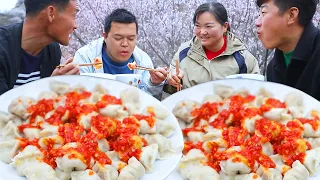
(163, 24)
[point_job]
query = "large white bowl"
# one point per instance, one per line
(200, 91)
(161, 168)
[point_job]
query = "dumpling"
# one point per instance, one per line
(20, 105)
(267, 148)
(103, 145)
(202, 173)
(60, 101)
(158, 111)
(84, 175)
(148, 156)
(47, 95)
(212, 98)
(131, 100)
(264, 93)
(251, 176)
(250, 124)
(223, 91)
(77, 88)
(309, 131)
(269, 173)
(195, 137)
(294, 99)
(4, 119)
(59, 87)
(182, 124)
(243, 92)
(312, 161)
(23, 159)
(224, 176)
(8, 149)
(285, 118)
(11, 131)
(275, 114)
(63, 175)
(165, 128)
(115, 111)
(220, 142)
(67, 165)
(296, 112)
(48, 130)
(106, 172)
(85, 120)
(313, 114)
(314, 142)
(130, 96)
(134, 170)
(146, 129)
(212, 132)
(39, 170)
(16, 120)
(298, 172)
(165, 146)
(31, 133)
(280, 165)
(116, 162)
(58, 141)
(188, 162)
(232, 168)
(182, 110)
(100, 89)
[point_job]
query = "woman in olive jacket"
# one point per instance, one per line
(213, 53)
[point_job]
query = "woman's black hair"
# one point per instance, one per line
(216, 9)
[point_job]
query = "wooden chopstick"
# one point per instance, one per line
(178, 72)
(146, 68)
(89, 64)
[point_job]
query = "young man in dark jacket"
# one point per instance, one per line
(287, 26)
(30, 50)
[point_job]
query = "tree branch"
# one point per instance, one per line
(78, 36)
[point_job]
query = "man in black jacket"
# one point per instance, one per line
(287, 26)
(30, 50)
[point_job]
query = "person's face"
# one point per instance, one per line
(63, 23)
(272, 27)
(208, 30)
(121, 41)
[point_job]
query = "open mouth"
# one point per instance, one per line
(204, 38)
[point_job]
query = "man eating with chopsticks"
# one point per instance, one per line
(117, 49)
(30, 50)
(286, 25)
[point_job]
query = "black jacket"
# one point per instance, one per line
(303, 72)
(11, 56)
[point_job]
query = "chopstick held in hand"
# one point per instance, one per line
(178, 72)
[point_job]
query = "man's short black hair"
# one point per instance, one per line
(307, 8)
(119, 16)
(33, 7)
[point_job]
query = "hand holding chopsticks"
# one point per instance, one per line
(69, 68)
(178, 72)
(97, 64)
(134, 65)
(175, 75)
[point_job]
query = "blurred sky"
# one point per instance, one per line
(7, 5)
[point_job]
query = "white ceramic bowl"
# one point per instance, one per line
(131, 79)
(161, 168)
(101, 75)
(198, 92)
(247, 76)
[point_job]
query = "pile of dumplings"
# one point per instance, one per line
(27, 138)
(280, 131)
